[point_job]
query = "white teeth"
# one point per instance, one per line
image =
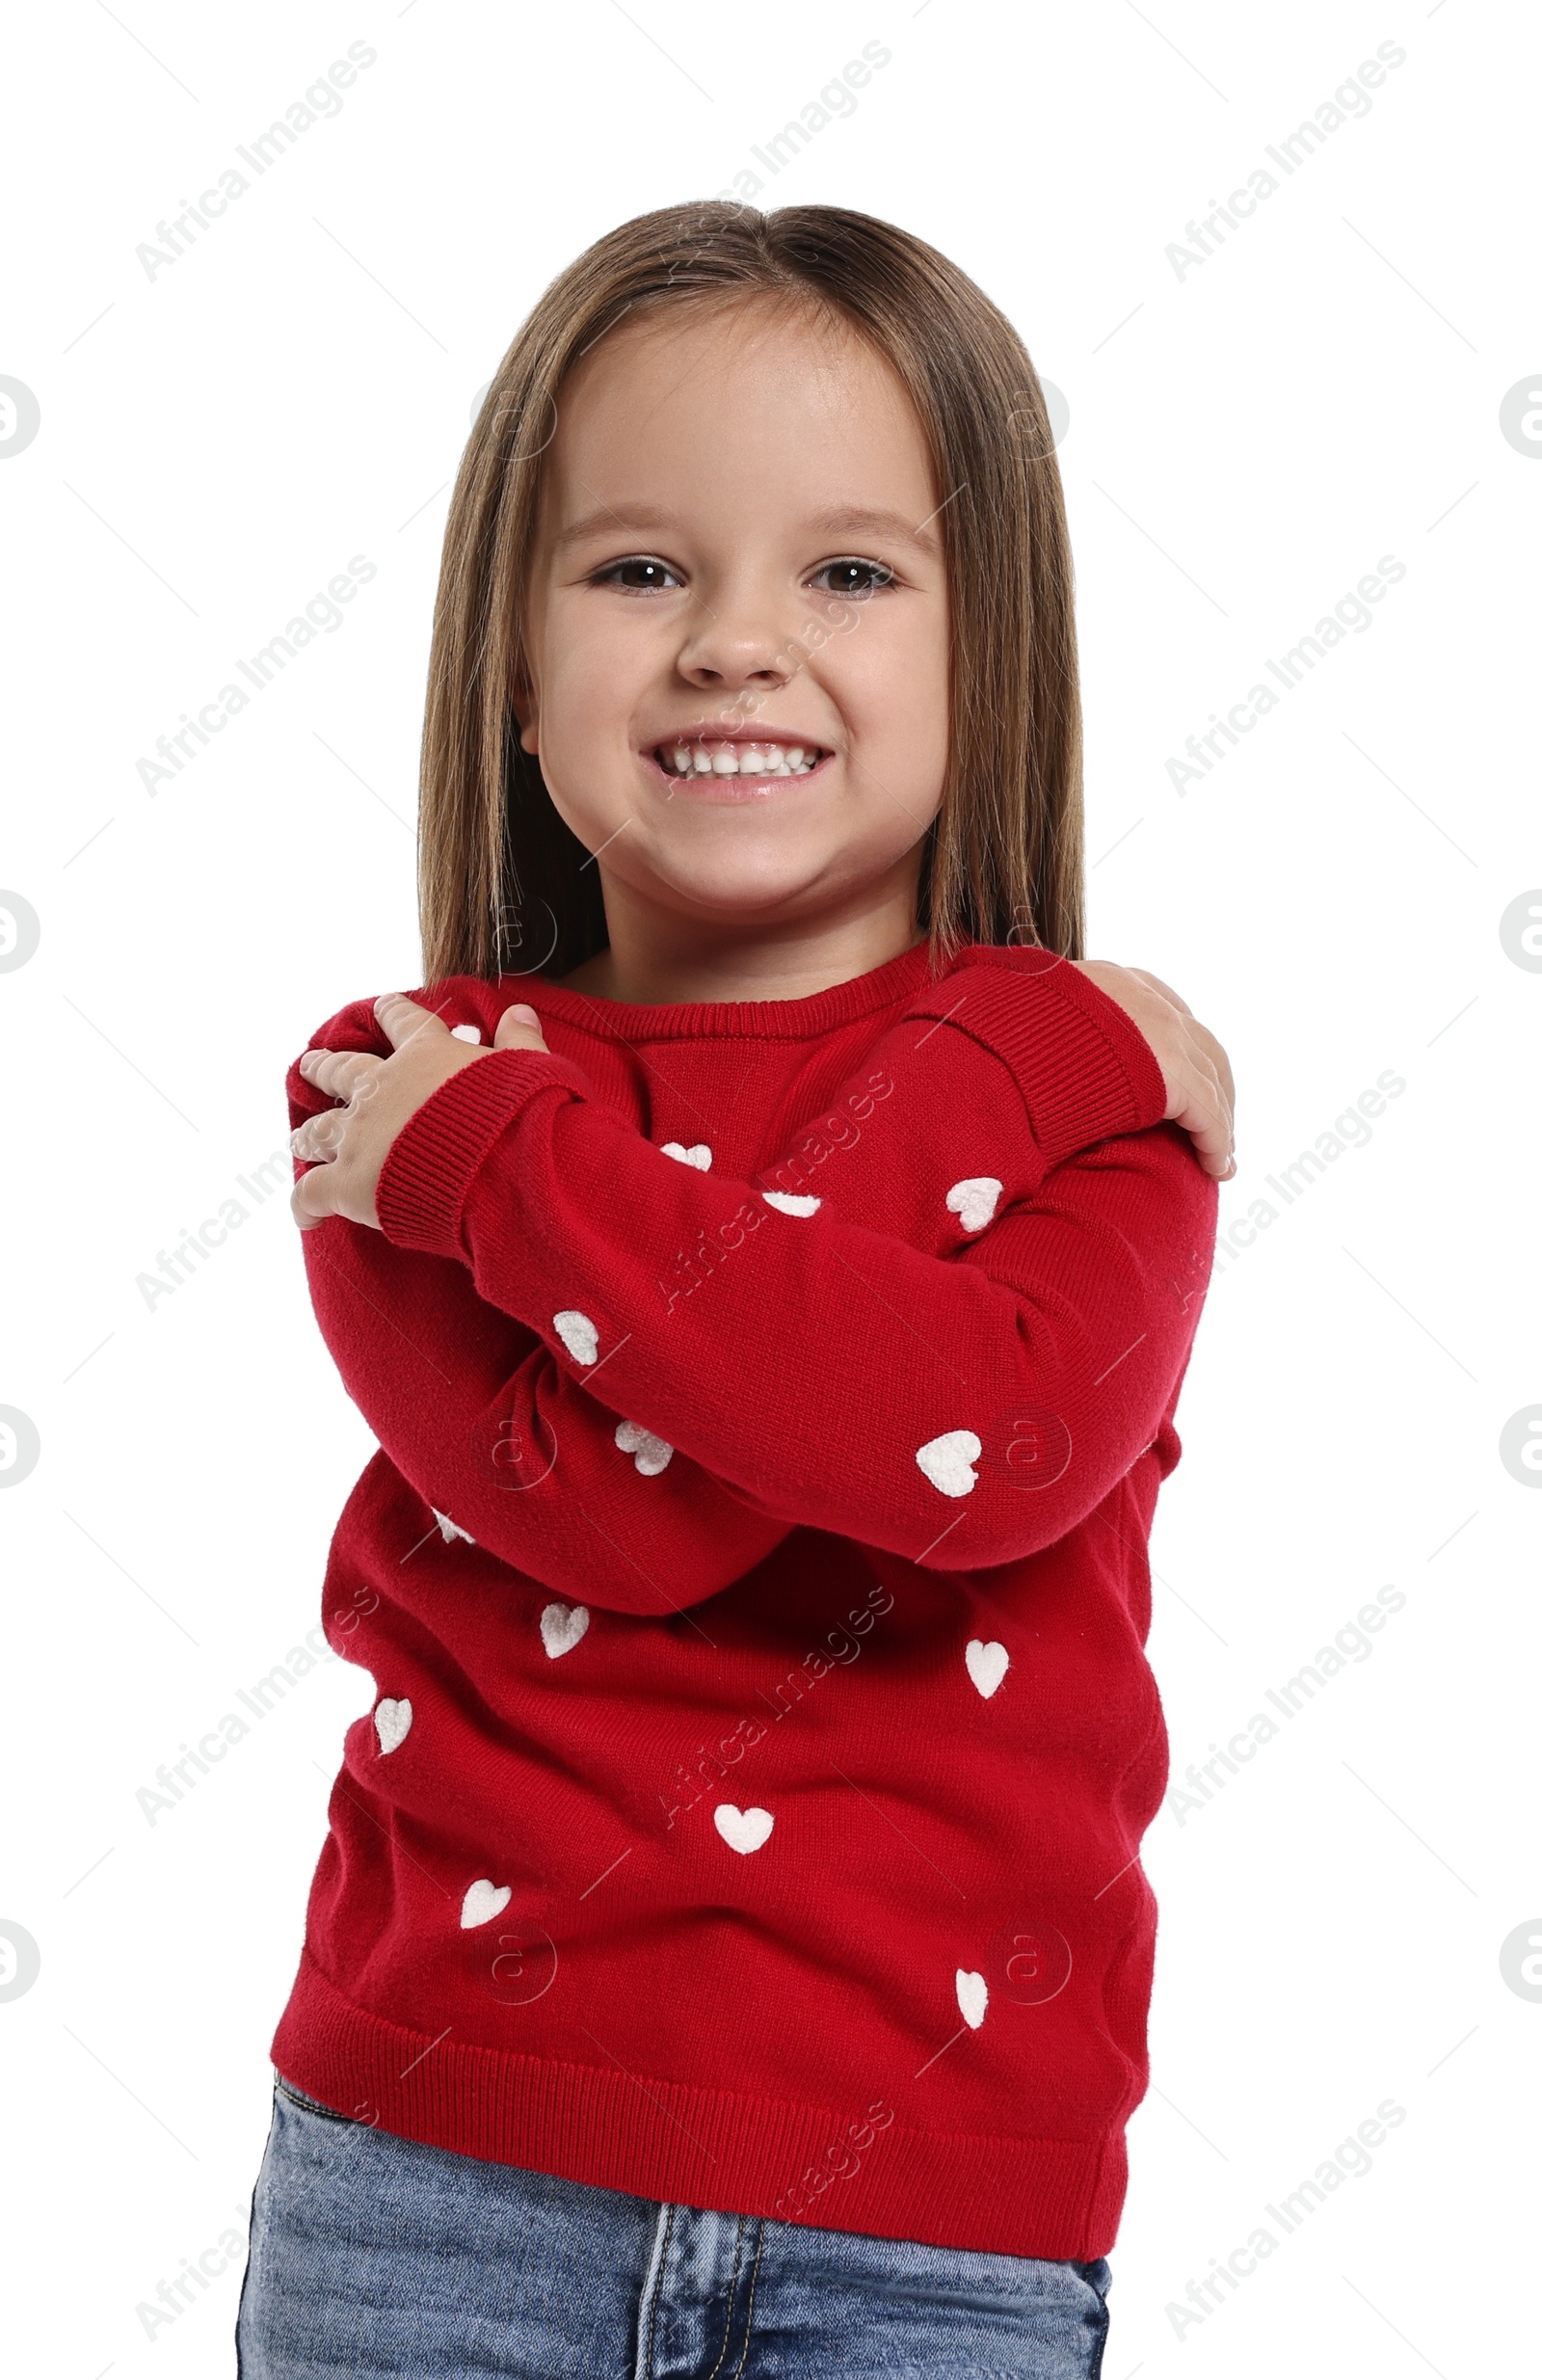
(738, 760)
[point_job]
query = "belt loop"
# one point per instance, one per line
(652, 2287)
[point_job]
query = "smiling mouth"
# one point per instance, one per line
(714, 757)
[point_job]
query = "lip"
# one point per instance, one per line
(709, 788)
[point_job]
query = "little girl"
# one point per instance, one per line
(768, 1258)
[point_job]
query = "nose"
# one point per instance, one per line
(737, 646)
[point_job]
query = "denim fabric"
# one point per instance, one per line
(371, 2254)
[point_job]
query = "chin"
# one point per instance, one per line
(748, 899)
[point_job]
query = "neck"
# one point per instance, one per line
(657, 956)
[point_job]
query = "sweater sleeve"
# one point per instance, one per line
(990, 1078)
(494, 1435)
(962, 1403)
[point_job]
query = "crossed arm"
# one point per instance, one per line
(924, 1268)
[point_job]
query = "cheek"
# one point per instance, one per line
(584, 662)
(588, 683)
(889, 677)
(594, 669)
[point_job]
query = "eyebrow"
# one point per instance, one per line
(614, 516)
(834, 523)
(880, 523)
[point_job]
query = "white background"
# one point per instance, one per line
(1245, 443)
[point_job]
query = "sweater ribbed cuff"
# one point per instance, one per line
(434, 1158)
(1085, 1071)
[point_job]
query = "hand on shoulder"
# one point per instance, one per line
(375, 1097)
(1200, 1095)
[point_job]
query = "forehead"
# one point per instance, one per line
(754, 401)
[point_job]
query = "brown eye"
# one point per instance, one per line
(851, 576)
(638, 574)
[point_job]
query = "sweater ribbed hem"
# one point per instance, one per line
(689, 2147)
(434, 1158)
(1086, 1071)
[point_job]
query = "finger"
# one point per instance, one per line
(1215, 1094)
(310, 1199)
(1199, 1110)
(402, 1018)
(1212, 1142)
(1218, 1058)
(1156, 984)
(515, 1027)
(1217, 1084)
(320, 1138)
(339, 1073)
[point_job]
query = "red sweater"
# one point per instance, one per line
(772, 1399)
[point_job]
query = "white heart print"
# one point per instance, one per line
(577, 1334)
(392, 1721)
(987, 1665)
(972, 1997)
(742, 1830)
(562, 1625)
(973, 1201)
(483, 1901)
(946, 1460)
(467, 1032)
(698, 1154)
(786, 1203)
(651, 1454)
(448, 1529)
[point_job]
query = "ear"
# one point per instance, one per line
(522, 703)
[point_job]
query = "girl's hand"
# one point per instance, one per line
(1200, 1095)
(347, 1149)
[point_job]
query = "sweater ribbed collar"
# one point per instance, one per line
(777, 1020)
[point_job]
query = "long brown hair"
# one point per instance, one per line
(502, 881)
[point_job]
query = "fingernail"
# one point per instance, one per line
(525, 1013)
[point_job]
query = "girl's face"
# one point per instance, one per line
(737, 644)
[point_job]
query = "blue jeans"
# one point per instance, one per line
(372, 2254)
